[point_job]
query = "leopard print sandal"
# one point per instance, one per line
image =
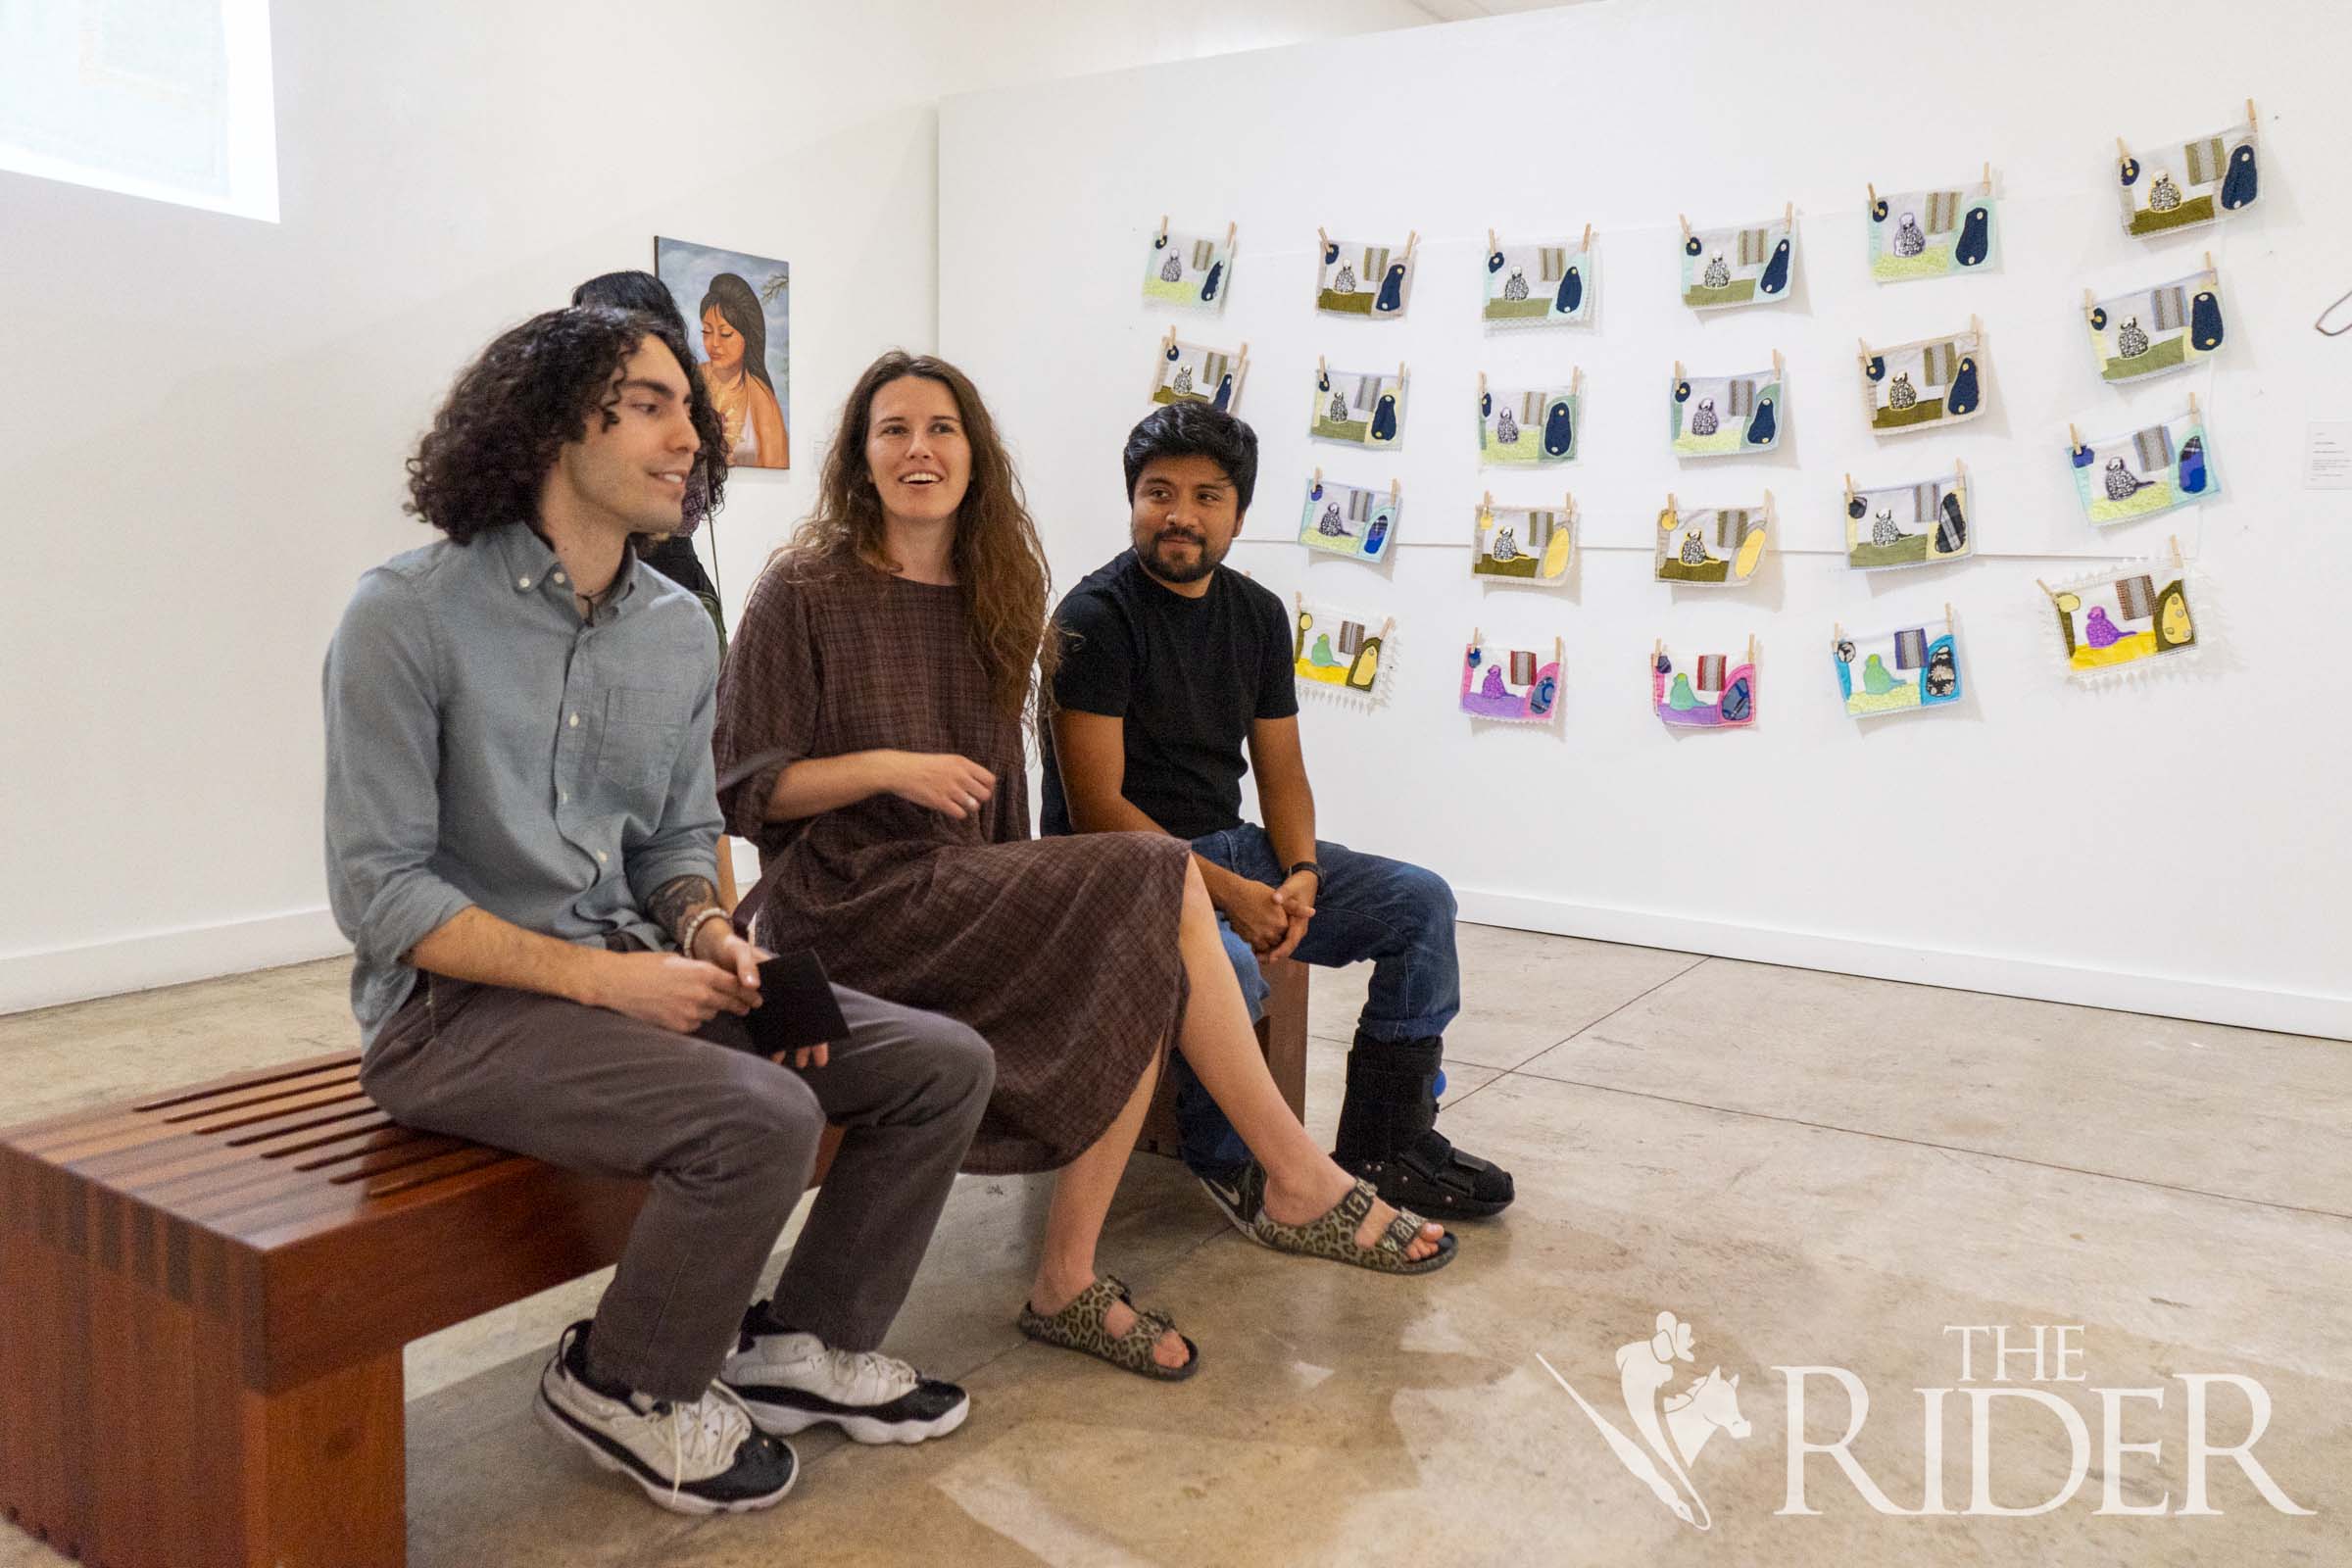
(1079, 1327)
(1333, 1236)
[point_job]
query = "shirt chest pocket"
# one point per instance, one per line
(643, 731)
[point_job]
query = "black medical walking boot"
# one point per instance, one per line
(1388, 1135)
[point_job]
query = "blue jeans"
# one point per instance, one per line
(1400, 917)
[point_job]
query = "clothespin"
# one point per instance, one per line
(1588, 240)
(1849, 488)
(1243, 354)
(1960, 473)
(1482, 384)
(2089, 301)
(1163, 225)
(1988, 177)
(2123, 149)
(1768, 507)
(1387, 626)
(1395, 490)
(1789, 216)
(1838, 628)
(1322, 370)
(1751, 647)
(1230, 231)
(2176, 562)
(1658, 650)
(1400, 373)
(1686, 227)
(1672, 504)
(1776, 363)
(1411, 240)
(1325, 238)
(1975, 327)
(2250, 120)
(1487, 505)
(1677, 369)
(1318, 474)
(1947, 615)
(1492, 245)
(2045, 588)
(1864, 346)
(1568, 503)
(2192, 405)
(2074, 437)
(1575, 381)
(1477, 636)
(1874, 192)
(2209, 260)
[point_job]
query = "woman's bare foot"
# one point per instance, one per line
(1047, 1297)
(1290, 1206)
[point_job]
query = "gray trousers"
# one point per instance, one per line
(726, 1138)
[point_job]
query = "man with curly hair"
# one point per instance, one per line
(521, 830)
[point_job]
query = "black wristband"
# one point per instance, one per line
(1307, 865)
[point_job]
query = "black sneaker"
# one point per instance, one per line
(1238, 1193)
(703, 1457)
(790, 1382)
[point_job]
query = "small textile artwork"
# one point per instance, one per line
(1913, 386)
(1934, 234)
(1540, 285)
(1724, 416)
(1898, 671)
(1727, 267)
(1909, 524)
(1359, 410)
(2146, 471)
(1346, 520)
(1712, 545)
(1191, 270)
(1337, 653)
(1530, 427)
(1711, 697)
(1360, 279)
(2155, 331)
(1510, 685)
(2187, 183)
(1524, 544)
(1191, 374)
(2121, 615)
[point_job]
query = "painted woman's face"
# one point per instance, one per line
(722, 345)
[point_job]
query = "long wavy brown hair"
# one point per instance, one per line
(1000, 565)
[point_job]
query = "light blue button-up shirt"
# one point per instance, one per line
(486, 746)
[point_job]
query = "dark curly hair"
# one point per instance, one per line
(533, 389)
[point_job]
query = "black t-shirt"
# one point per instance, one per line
(1188, 676)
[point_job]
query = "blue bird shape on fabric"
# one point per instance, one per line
(1559, 430)
(2205, 322)
(1876, 368)
(2084, 457)
(1208, 285)
(1976, 237)
(1762, 432)
(1384, 419)
(1224, 398)
(2192, 472)
(1494, 262)
(1392, 290)
(1963, 395)
(1571, 297)
(1331, 253)
(1376, 535)
(1775, 270)
(2239, 185)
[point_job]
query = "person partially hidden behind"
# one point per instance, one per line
(1171, 663)
(522, 825)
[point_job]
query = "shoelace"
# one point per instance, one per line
(888, 1372)
(702, 1432)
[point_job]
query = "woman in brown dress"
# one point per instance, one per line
(871, 712)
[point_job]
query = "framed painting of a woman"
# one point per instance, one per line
(739, 304)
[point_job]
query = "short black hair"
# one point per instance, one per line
(1196, 430)
(632, 291)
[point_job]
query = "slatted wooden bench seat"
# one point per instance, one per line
(204, 1296)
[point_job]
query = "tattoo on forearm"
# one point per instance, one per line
(678, 901)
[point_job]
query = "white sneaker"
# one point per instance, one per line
(707, 1456)
(790, 1382)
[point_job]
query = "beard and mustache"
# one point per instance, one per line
(1168, 570)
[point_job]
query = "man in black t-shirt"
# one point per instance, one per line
(1170, 666)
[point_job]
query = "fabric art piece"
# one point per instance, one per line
(1934, 234)
(1355, 409)
(1524, 544)
(1511, 685)
(1187, 372)
(1935, 382)
(2138, 475)
(1746, 266)
(1190, 271)
(1336, 652)
(1725, 415)
(1541, 284)
(1346, 521)
(1908, 525)
(2201, 180)
(1717, 694)
(1711, 544)
(2155, 331)
(1529, 426)
(2119, 616)
(1899, 672)
(1356, 278)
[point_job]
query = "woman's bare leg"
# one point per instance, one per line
(1302, 1181)
(1082, 1195)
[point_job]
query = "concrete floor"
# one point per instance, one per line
(1806, 1169)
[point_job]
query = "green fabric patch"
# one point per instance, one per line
(1353, 431)
(1176, 293)
(1933, 262)
(1529, 310)
(1740, 291)
(1671, 569)
(1926, 411)
(1520, 566)
(1358, 302)
(2195, 209)
(2163, 356)
(2155, 495)
(1909, 551)
(1722, 443)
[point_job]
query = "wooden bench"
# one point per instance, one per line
(204, 1296)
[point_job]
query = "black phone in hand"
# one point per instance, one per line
(795, 1008)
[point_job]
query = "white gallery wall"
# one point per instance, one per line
(203, 444)
(2179, 846)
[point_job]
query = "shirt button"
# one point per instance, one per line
(573, 721)
(522, 582)
(600, 857)
(558, 576)
(562, 796)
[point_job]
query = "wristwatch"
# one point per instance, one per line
(1306, 865)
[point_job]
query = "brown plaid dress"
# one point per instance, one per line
(1060, 952)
